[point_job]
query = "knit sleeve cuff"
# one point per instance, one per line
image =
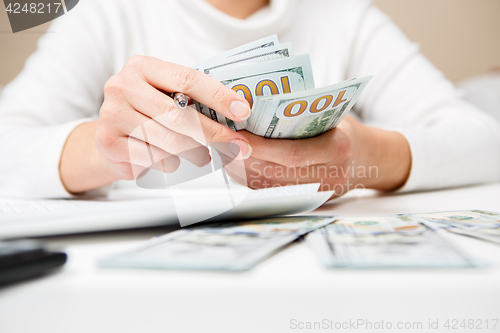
(418, 157)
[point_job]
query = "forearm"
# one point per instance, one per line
(82, 168)
(385, 158)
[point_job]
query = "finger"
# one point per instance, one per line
(259, 171)
(261, 174)
(131, 150)
(143, 154)
(218, 136)
(204, 89)
(187, 121)
(252, 171)
(236, 166)
(161, 137)
(168, 165)
(258, 181)
(151, 102)
(296, 153)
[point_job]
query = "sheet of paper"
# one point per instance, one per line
(26, 218)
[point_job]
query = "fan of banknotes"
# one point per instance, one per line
(280, 89)
(393, 241)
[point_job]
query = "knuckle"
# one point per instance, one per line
(168, 107)
(135, 62)
(108, 110)
(105, 138)
(115, 84)
(111, 110)
(185, 78)
(219, 133)
(176, 118)
(220, 95)
(173, 139)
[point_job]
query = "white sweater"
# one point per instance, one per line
(452, 143)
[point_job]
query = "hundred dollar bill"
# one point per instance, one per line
(273, 77)
(384, 242)
(257, 45)
(475, 223)
(305, 114)
(257, 56)
(280, 51)
(283, 99)
(262, 43)
(489, 234)
(233, 246)
(464, 218)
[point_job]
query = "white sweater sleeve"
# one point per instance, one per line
(60, 87)
(452, 142)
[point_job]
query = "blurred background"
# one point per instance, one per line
(461, 37)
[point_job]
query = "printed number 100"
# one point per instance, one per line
(261, 85)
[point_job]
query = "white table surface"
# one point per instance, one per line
(291, 285)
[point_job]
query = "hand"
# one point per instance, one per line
(139, 125)
(352, 155)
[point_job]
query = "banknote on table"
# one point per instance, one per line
(236, 246)
(279, 87)
(384, 242)
(475, 223)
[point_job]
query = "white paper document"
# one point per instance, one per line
(146, 208)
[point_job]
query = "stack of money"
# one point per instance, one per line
(279, 86)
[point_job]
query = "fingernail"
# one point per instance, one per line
(240, 110)
(240, 149)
